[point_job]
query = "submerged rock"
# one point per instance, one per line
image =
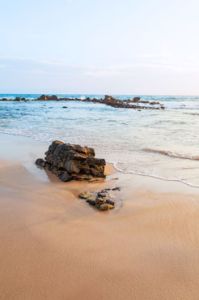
(72, 162)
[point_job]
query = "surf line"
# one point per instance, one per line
(155, 177)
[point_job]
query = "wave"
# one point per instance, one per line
(133, 172)
(26, 135)
(137, 173)
(191, 114)
(171, 154)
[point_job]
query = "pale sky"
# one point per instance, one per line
(99, 46)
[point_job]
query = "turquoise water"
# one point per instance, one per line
(162, 144)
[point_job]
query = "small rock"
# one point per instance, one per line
(110, 202)
(48, 97)
(102, 194)
(117, 188)
(100, 201)
(105, 206)
(64, 106)
(40, 162)
(91, 202)
(136, 99)
(88, 196)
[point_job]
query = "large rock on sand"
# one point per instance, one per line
(68, 162)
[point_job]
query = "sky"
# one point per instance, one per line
(99, 46)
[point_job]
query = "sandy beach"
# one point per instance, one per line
(99, 150)
(54, 246)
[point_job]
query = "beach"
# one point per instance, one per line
(99, 150)
(54, 246)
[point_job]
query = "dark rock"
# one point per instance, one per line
(136, 99)
(102, 194)
(47, 97)
(117, 188)
(40, 162)
(91, 202)
(154, 103)
(17, 99)
(134, 103)
(110, 202)
(145, 102)
(100, 201)
(72, 167)
(68, 161)
(65, 176)
(111, 101)
(64, 106)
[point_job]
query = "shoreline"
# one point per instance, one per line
(27, 150)
(55, 246)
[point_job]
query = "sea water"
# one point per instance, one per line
(157, 143)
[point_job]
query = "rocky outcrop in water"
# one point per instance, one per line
(135, 103)
(16, 99)
(72, 162)
(47, 97)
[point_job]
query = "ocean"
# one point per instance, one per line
(162, 143)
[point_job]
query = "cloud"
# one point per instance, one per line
(53, 67)
(149, 75)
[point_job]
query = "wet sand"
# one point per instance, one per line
(54, 246)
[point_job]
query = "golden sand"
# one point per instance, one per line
(55, 246)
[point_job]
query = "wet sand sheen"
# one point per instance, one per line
(53, 246)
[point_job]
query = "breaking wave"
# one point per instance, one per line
(172, 154)
(137, 173)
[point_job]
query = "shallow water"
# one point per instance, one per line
(162, 144)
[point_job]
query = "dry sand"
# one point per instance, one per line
(54, 246)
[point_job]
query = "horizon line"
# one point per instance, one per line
(97, 94)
